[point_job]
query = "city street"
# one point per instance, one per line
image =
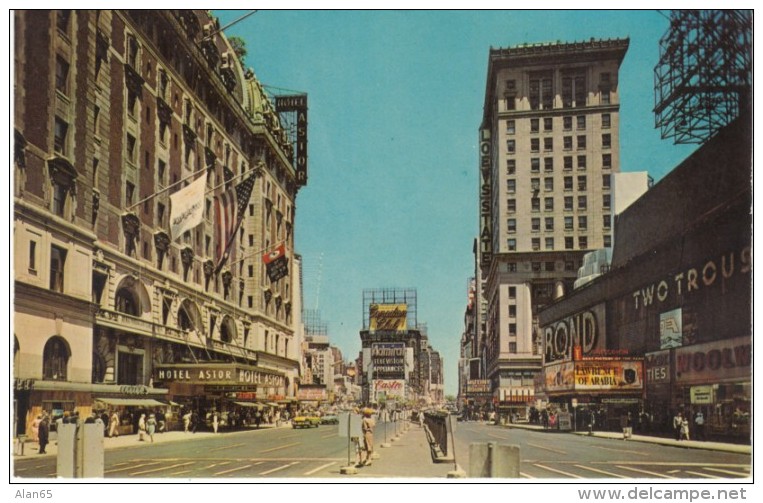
(568, 456)
(320, 453)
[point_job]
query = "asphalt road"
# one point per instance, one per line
(565, 456)
(283, 452)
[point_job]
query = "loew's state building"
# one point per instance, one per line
(549, 145)
(115, 112)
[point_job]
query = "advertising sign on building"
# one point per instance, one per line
(580, 335)
(560, 376)
(297, 104)
(486, 200)
(671, 332)
(221, 374)
(388, 359)
(391, 317)
(657, 367)
(389, 388)
(478, 386)
(312, 394)
(716, 361)
(701, 395)
(609, 375)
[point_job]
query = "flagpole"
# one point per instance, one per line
(235, 177)
(263, 250)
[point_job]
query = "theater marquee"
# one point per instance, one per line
(222, 374)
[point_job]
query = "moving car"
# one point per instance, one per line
(329, 419)
(305, 421)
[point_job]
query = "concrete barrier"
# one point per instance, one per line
(493, 460)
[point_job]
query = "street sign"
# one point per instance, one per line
(574, 402)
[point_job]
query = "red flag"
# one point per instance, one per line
(230, 207)
(276, 263)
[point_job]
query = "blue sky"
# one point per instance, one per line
(395, 99)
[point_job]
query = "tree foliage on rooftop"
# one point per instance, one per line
(239, 47)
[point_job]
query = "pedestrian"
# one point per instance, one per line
(36, 428)
(257, 418)
(677, 421)
(626, 423)
(685, 429)
(114, 425)
(42, 433)
(699, 426)
(187, 421)
(367, 425)
(151, 427)
(194, 421)
(215, 421)
(161, 421)
(421, 418)
(142, 428)
(544, 419)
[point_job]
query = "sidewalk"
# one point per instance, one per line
(31, 448)
(687, 444)
(410, 454)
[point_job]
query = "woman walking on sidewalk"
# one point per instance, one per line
(151, 426)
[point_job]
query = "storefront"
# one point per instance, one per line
(236, 391)
(60, 398)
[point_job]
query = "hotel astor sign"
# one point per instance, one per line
(221, 374)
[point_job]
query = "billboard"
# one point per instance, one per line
(388, 388)
(613, 375)
(581, 335)
(388, 360)
(391, 317)
(560, 376)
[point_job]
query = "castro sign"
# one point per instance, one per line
(584, 330)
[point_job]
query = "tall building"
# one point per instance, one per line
(116, 112)
(549, 145)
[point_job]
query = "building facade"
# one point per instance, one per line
(669, 328)
(549, 145)
(116, 111)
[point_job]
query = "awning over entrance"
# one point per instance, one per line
(253, 405)
(137, 402)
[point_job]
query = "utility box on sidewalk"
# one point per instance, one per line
(493, 460)
(80, 451)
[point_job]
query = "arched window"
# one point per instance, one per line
(125, 302)
(225, 334)
(184, 319)
(55, 359)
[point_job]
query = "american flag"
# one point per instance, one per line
(230, 207)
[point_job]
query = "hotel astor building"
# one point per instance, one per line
(114, 112)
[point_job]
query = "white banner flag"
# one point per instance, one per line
(187, 207)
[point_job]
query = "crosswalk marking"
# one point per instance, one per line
(319, 468)
(547, 448)
(596, 470)
(161, 468)
(267, 472)
(526, 475)
(706, 475)
(558, 471)
(728, 472)
(131, 467)
(225, 447)
(231, 470)
(620, 450)
(279, 447)
(638, 470)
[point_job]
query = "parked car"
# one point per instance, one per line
(329, 419)
(305, 421)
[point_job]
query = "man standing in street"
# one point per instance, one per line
(367, 425)
(699, 425)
